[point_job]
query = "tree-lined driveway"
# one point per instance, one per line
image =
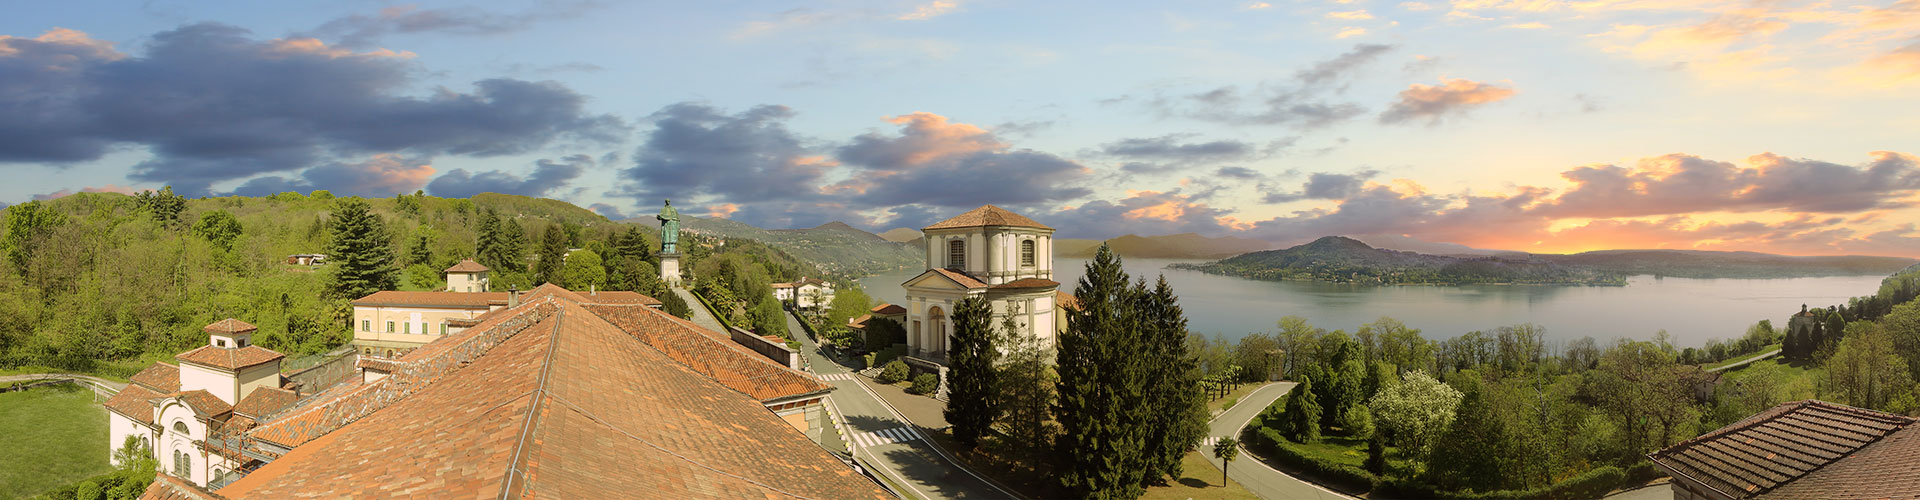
(1257, 477)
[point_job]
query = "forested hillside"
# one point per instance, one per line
(1345, 260)
(105, 282)
(836, 248)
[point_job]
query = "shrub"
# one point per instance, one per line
(1229, 404)
(893, 373)
(925, 383)
(1269, 443)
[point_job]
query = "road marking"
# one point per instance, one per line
(1210, 441)
(884, 436)
(836, 376)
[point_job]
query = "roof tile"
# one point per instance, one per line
(135, 402)
(987, 215)
(229, 326)
(1803, 449)
(230, 358)
(264, 401)
(467, 266)
(160, 377)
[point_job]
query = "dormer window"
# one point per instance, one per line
(220, 342)
(956, 255)
(1026, 253)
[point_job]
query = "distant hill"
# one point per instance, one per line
(1172, 246)
(836, 247)
(1408, 244)
(901, 235)
(1710, 264)
(1346, 260)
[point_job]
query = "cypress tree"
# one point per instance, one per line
(1101, 388)
(971, 383)
(362, 259)
(553, 253)
(1176, 408)
(1302, 417)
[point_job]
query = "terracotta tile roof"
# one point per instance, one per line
(860, 322)
(888, 310)
(711, 353)
(300, 425)
(1024, 283)
(1066, 300)
(264, 401)
(203, 403)
(160, 378)
(135, 401)
(781, 285)
(459, 300)
(619, 297)
(229, 326)
(958, 277)
(1804, 449)
(570, 407)
(230, 358)
(167, 487)
(467, 266)
(988, 215)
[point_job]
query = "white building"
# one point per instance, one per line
(188, 413)
(467, 276)
(988, 252)
(805, 293)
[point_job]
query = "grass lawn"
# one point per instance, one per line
(1200, 480)
(54, 436)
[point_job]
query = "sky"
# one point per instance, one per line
(1534, 125)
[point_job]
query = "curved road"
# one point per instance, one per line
(1253, 474)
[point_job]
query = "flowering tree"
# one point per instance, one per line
(1414, 411)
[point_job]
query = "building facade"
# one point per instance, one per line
(183, 412)
(992, 253)
(804, 293)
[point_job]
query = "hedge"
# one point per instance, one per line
(1272, 445)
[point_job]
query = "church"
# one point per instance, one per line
(988, 252)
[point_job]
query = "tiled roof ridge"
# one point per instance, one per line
(756, 357)
(539, 395)
(409, 377)
(596, 419)
(1779, 413)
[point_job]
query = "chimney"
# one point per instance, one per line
(513, 296)
(593, 289)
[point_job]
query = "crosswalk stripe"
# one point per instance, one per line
(884, 436)
(837, 376)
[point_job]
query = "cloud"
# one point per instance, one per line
(609, 211)
(930, 10)
(1258, 6)
(1301, 103)
(1326, 186)
(1679, 184)
(695, 149)
(378, 176)
(1900, 64)
(924, 137)
(1350, 15)
(1141, 212)
(1434, 102)
(1349, 33)
(1171, 148)
(361, 30)
(110, 188)
(547, 176)
(211, 103)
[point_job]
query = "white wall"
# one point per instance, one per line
(223, 386)
(118, 428)
(267, 375)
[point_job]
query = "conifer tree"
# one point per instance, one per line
(1302, 416)
(488, 245)
(1176, 410)
(972, 381)
(1475, 449)
(362, 258)
(553, 254)
(1101, 388)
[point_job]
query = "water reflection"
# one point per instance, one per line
(1692, 310)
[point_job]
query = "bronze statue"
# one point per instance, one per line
(669, 228)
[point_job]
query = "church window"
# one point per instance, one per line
(956, 254)
(181, 463)
(1026, 253)
(181, 427)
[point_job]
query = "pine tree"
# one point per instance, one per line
(1101, 388)
(362, 258)
(1176, 410)
(419, 252)
(513, 246)
(487, 244)
(553, 254)
(972, 381)
(1475, 449)
(1302, 417)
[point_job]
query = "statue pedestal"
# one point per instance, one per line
(670, 269)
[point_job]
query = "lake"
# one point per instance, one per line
(1692, 310)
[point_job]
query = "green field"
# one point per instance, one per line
(53, 436)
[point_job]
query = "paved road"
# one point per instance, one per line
(1257, 477)
(884, 439)
(700, 315)
(1748, 361)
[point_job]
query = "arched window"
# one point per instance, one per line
(956, 254)
(181, 427)
(182, 464)
(1026, 253)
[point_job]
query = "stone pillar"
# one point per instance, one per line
(670, 269)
